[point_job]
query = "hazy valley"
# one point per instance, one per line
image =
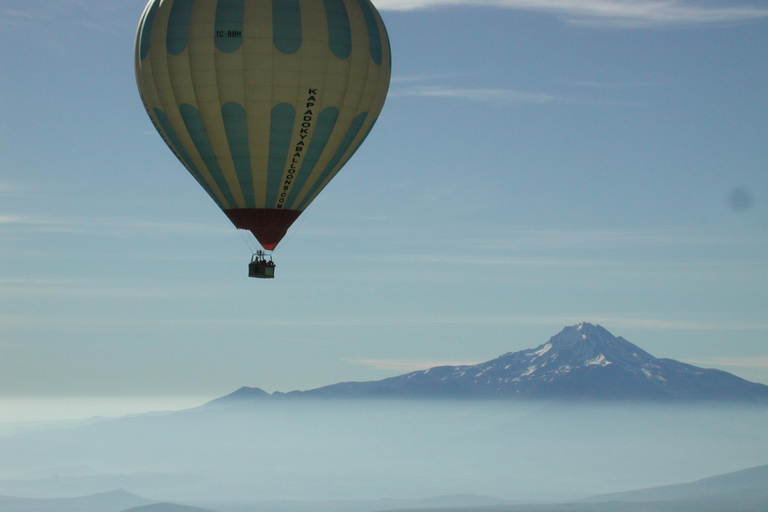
(314, 451)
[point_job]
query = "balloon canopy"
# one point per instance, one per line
(263, 101)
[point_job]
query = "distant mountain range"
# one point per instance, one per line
(167, 507)
(112, 501)
(582, 362)
(745, 490)
(737, 489)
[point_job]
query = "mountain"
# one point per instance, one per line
(582, 362)
(58, 482)
(167, 507)
(748, 485)
(112, 501)
(464, 501)
(742, 491)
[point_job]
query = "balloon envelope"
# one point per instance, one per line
(263, 101)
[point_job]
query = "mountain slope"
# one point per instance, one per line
(113, 501)
(742, 491)
(167, 507)
(746, 485)
(583, 361)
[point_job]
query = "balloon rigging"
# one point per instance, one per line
(263, 101)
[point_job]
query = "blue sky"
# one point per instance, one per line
(538, 163)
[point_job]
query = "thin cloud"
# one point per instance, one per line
(47, 24)
(15, 321)
(612, 322)
(9, 189)
(491, 238)
(485, 95)
(39, 288)
(554, 322)
(614, 13)
(614, 85)
(115, 228)
(425, 77)
(757, 362)
(24, 220)
(406, 365)
(459, 259)
(411, 365)
(414, 86)
(677, 325)
(612, 238)
(13, 15)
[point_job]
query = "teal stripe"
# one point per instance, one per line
(280, 132)
(169, 136)
(352, 152)
(349, 138)
(145, 37)
(236, 127)
(229, 25)
(374, 37)
(339, 33)
(286, 25)
(196, 129)
(389, 48)
(325, 124)
(373, 123)
(177, 39)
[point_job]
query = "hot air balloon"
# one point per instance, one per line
(263, 101)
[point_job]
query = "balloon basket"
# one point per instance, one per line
(261, 266)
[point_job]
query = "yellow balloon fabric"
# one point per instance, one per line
(263, 101)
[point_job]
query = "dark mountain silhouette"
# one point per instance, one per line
(582, 362)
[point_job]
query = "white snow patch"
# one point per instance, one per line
(531, 369)
(600, 360)
(653, 376)
(543, 350)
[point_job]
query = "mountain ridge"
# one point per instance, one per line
(746, 483)
(108, 501)
(582, 362)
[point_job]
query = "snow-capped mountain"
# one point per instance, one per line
(583, 361)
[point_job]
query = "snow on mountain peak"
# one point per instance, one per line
(582, 345)
(582, 361)
(541, 350)
(600, 360)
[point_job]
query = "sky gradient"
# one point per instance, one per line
(538, 163)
